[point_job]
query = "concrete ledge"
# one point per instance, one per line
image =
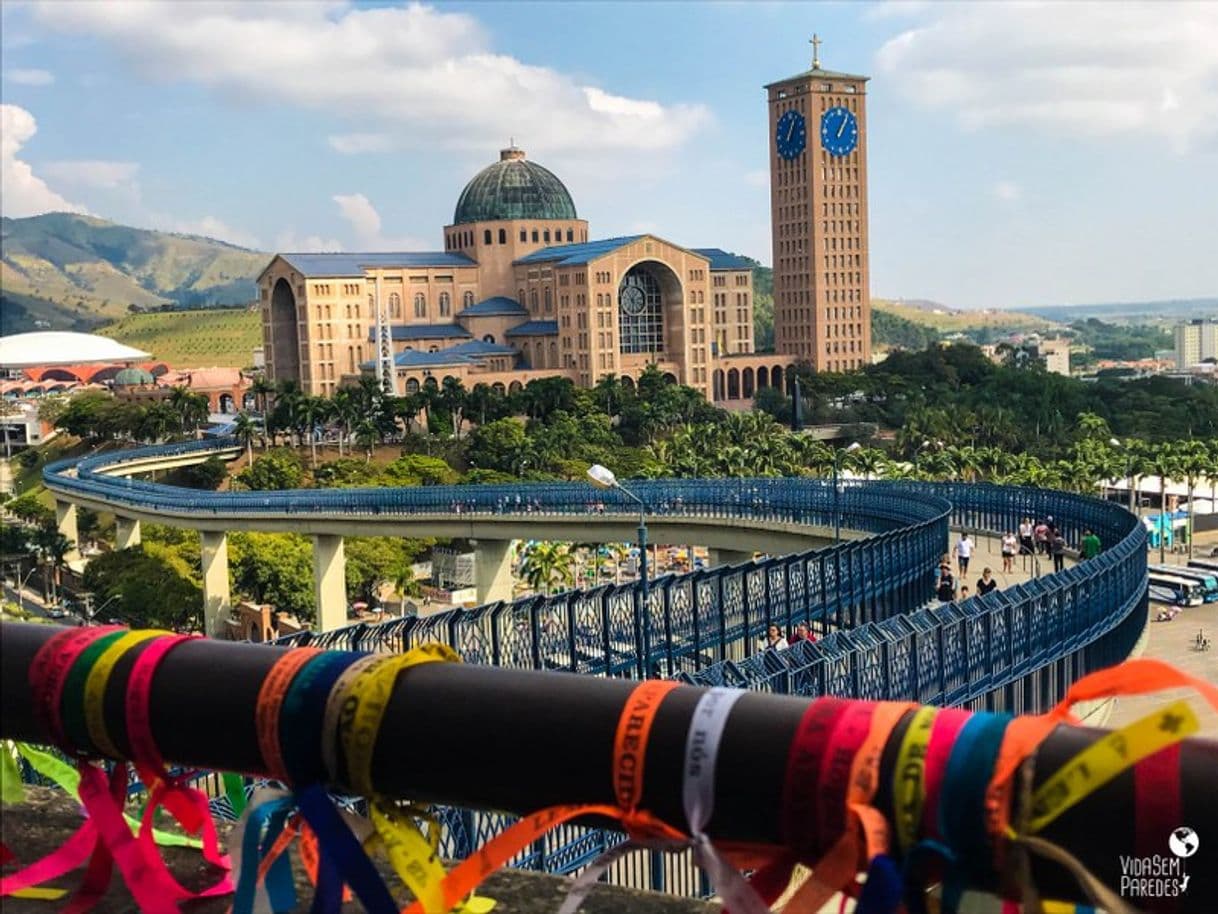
(48, 817)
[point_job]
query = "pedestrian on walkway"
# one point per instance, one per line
(774, 639)
(1009, 546)
(986, 583)
(1090, 546)
(964, 552)
(1057, 547)
(963, 592)
(1041, 533)
(945, 589)
(1027, 544)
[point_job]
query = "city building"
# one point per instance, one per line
(522, 290)
(1196, 341)
(818, 215)
(1055, 353)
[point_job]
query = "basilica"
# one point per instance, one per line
(520, 291)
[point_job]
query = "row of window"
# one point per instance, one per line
(839, 209)
(697, 275)
(455, 241)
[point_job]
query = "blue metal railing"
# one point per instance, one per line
(1016, 650)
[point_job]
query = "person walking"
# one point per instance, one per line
(945, 589)
(1041, 533)
(964, 552)
(963, 592)
(1090, 546)
(1057, 548)
(986, 583)
(774, 639)
(1009, 546)
(1026, 532)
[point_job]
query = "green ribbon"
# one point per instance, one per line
(11, 789)
(66, 777)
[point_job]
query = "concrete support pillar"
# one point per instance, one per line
(65, 520)
(126, 532)
(217, 601)
(492, 570)
(330, 581)
(717, 557)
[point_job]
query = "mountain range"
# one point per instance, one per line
(63, 271)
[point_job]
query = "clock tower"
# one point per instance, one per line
(818, 215)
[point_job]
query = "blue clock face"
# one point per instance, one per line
(791, 135)
(839, 131)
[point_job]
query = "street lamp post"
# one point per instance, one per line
(837, 514)
(604, 478)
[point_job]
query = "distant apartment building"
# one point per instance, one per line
(1196, 341)
(1056, 356)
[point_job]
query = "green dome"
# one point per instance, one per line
(133, 377)
(513, 188)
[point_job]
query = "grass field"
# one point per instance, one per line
(192, 339)
(954, 321)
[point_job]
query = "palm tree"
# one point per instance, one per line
(366, 436)
(262, 388)
(52, 548)
(453, 399)
(868, 461)
(405, 583)
(1164, 462)
(546, 564)
(313, 412)
(244, 430)
(1193, 458)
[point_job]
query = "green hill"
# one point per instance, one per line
(64, 271)
(221, 337)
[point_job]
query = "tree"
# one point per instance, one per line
(244, 430)
(275, 568)
(190, 407)
(1192, 460)
(150, 584)
(374, 561)
(262, 388)
(547, 564)
(276, 470)
(498, 445)
(52, 548)
(313, 411)
(416, 469)
(207, 475)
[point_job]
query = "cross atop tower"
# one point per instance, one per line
(816, 43)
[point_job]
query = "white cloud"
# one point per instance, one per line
(93, 173)
(759, 177)
(422, 74)
(354, 143)
(290, 241)
(23, 193)
(365, 222)
(208, 227)
(20, 77)
(1079, 69)
(1006, 191)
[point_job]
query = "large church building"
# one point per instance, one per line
(520, 291)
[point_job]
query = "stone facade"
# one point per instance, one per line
(511, 299)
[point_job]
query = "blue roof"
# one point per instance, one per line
(535, 328)
(722, 260)
(497, 306)
(354, 264)
(477, 348)
(424, 332)
(568, 254)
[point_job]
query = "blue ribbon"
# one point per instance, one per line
(263, 826)
(342, 859)
(962, 805)
(882, 891)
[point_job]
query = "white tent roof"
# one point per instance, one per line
(53, 347)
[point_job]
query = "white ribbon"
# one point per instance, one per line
(698, 796)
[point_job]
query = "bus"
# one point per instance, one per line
(1207, 579)
(1169, 588)
(1209, 566)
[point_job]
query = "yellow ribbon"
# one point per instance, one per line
(95, 687)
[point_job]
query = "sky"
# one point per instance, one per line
(1020, 154)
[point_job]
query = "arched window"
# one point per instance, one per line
(533, 299)
(570, 236)
(486, 236)
(433, 348)
(549, 301)
(467, 300)
(524, 235)
(520, 296)
(446, 304)
(534, 236)
(546, 236)
(420, 305)
(489, 338)
(640, 312)
(412, 385)
(395, 305)
(503, 236)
